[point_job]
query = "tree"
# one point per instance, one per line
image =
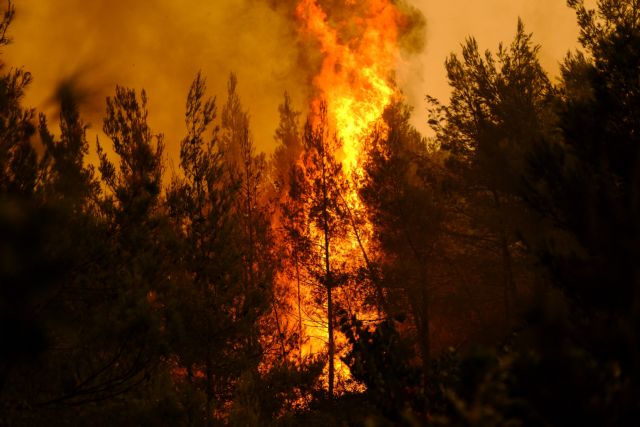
(379, 358)
(19, 166)
(255, 240)
(123, 272)
(498, 112)
(287, 153)
(201, 310)
(136, 183)
(289, 219)
(324, 184)
(249, 169)
(72, 181)
(95, 320)
(401, 193)
(587, 186)
(577, 184)
(597, 180)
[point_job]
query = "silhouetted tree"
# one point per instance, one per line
(201, 310)
(255, 239)
(71, 179)
(499, 110)
(19, 166)
(289, 219)
(402, 197)
(324, 183)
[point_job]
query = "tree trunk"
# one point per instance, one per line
(327, 265)
(332, 349)
(209, 384)
(278, 327)
(509, 285)
(421, 313)
(299, 306)
(425, 336)
(329, 285)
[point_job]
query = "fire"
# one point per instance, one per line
(355, 79)
(359, 47)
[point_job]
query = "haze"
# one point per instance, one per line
(93, 46)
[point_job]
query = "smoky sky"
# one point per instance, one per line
(90, 46)
(87, 47)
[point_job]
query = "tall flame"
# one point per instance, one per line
(359, 57)
(359, 46)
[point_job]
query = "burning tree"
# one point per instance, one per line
(289, 221)
(326, 228)
(326, 216)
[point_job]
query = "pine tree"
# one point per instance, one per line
(201, 310)
(499, 110)
(289, 219)
(255, 242)
(19, 166)
(324, 183)
(405, 204)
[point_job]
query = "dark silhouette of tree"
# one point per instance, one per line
(380, 358)
(401, 195)
(123, 269)
(324, 183)
(593, 177)
(289, 219)
(249, 169)
(499, 109)
(70, 178)
(289, 139)
(255, 243)
(136, 181)
(585, 184)
(200, 313)
(19, 168)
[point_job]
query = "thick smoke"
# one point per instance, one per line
(413, 29)
(87, 47)
(83, 49)
(343, 16)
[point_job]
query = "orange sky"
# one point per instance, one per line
(449, 22)
(161, 44)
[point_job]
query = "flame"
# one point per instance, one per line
(359, 47)
(355, 78)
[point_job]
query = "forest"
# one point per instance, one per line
(487, 274)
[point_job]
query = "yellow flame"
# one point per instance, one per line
(355, 78)
(356, 82)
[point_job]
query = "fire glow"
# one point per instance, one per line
(355, 80)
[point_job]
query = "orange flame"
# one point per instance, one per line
(360, 53)
(355, 78)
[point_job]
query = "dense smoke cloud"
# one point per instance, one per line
(89, 47)
(343, 15)
(85, 48)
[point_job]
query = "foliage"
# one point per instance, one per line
(129, 297)
(380, 359)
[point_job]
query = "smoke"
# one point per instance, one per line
(87, 47)
(83, 49)
(413, 29)
(344, 14)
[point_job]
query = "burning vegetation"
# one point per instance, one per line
(361, 274)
